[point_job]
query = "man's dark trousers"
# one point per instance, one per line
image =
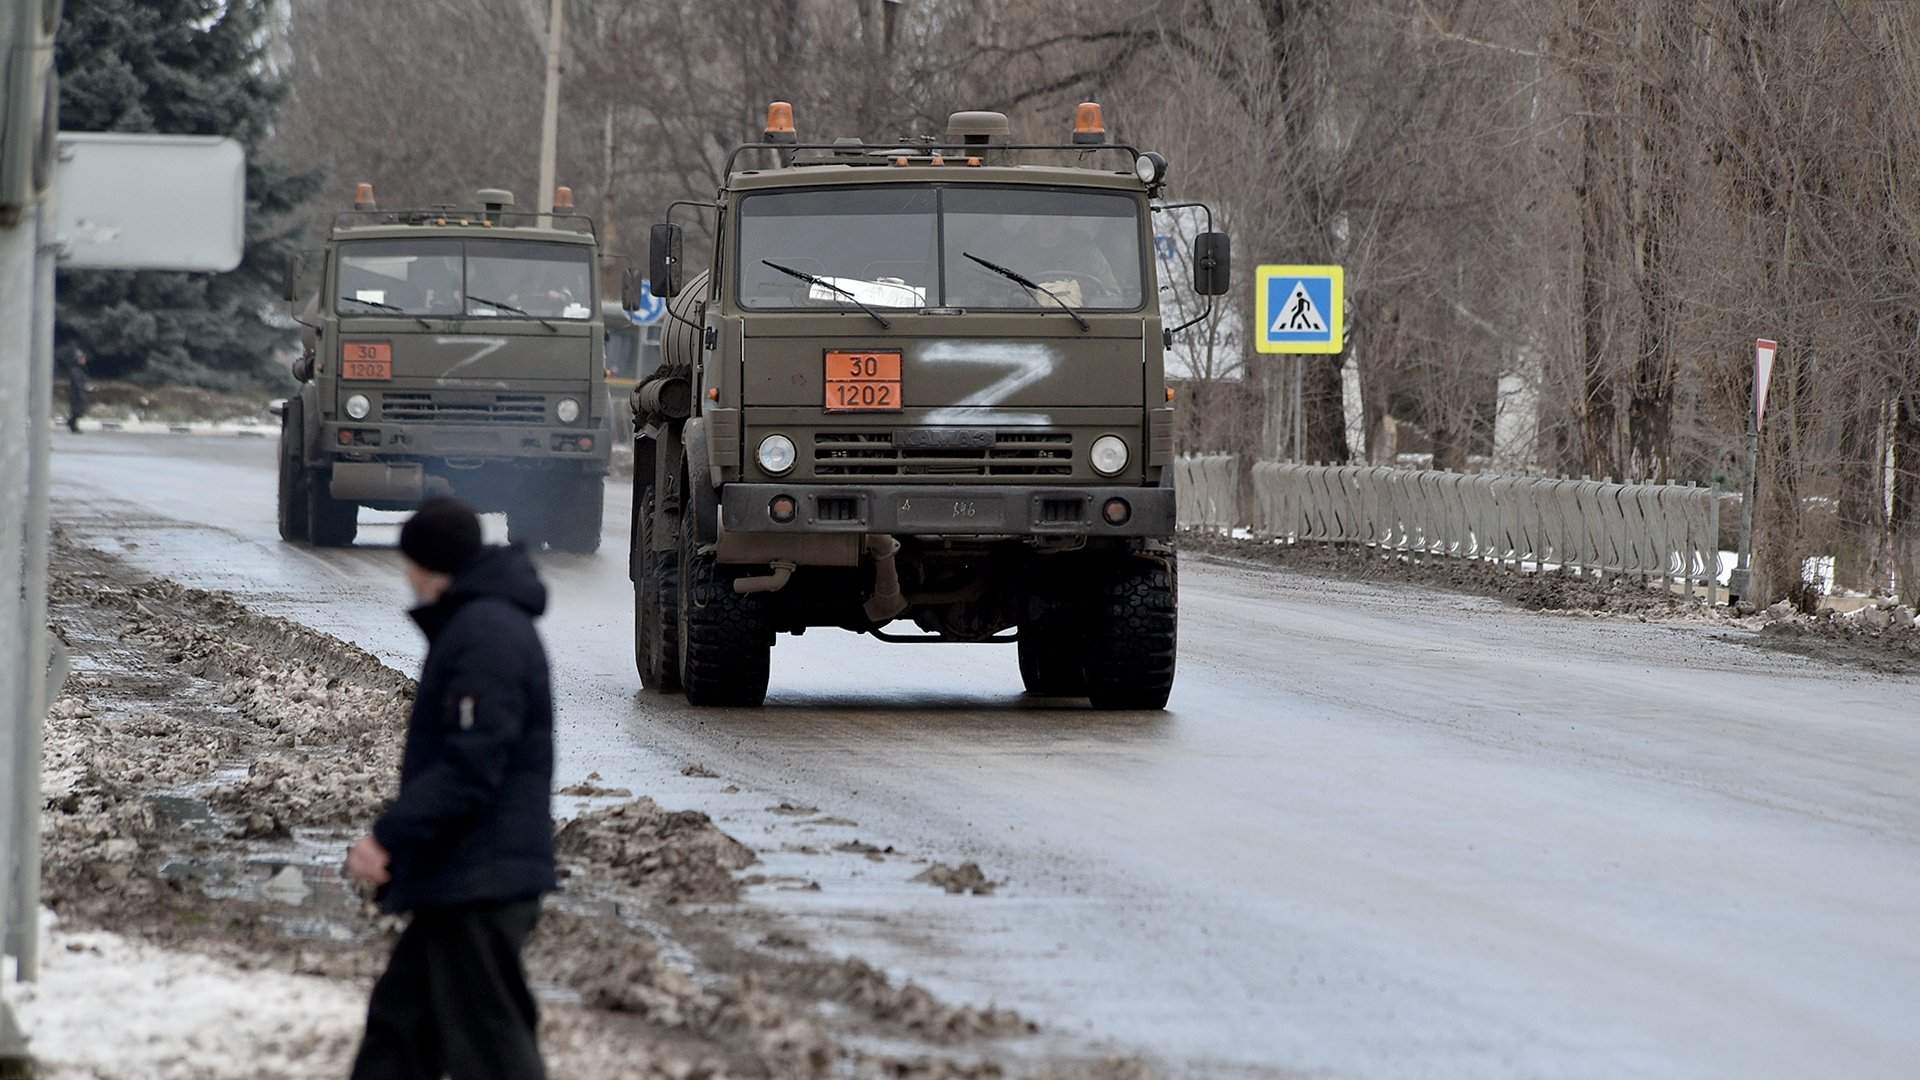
(454, 999)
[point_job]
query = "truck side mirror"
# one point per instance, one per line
(1212, 263)
(630, 288)
(293, 276)
(663, 260)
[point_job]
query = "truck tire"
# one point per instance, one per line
(726, 639)
(291, 510)
(656, 608)
(1053, 657)
(575, 517)
(1130, 649)
(331, 522)
(527, 527)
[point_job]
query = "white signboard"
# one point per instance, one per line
(151, 202)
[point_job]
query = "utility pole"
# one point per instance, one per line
(550, 119)
(608, 201)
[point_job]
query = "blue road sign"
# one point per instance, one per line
(651, 310)
(1301, 309)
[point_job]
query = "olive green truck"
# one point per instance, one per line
(454, 351)
(917, 382)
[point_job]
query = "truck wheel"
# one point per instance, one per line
(292, 504)
(576, 515)
(726, 640)
(1130, 653)
(1053, 658)
(656, 610)
(330, 521)
(527, 527)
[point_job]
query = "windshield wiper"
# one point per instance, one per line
(825, 284)
(1022, 280)
(386, 307)
(511, 310)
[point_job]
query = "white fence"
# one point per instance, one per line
(1664, 532)
(1206, 492)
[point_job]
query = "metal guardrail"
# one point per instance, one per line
(1657, 532)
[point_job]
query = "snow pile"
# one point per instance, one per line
(335, 747)
(678, 856)
(136, 426)
(1881, 636)
(111, 1008)
(965, 878)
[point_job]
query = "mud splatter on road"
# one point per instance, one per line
(965, 878)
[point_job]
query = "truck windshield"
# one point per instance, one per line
(907, 247)
(470, 278)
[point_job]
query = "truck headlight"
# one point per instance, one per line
(1109, 455)
(358, 406)
(776, 454)
(568, 410)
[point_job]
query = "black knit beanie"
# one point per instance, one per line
(442, 536)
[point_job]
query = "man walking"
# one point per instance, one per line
(467, 847)
(76, 390)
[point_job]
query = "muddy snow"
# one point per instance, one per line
(1882, 637)
(206, 767)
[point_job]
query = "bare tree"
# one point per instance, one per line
(1596, 204)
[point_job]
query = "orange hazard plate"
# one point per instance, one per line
(863, 382)
(366, 360)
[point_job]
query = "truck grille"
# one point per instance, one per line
(873, 453)
(400, 406)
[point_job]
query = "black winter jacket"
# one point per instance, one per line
(474, 820)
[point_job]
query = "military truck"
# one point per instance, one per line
(449, 351)
(918, 382)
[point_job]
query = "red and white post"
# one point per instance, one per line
(1764, 350)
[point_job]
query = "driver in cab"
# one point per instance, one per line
(1062, 258)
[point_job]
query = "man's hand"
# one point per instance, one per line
(367, 861)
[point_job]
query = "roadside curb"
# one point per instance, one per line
(156, 427)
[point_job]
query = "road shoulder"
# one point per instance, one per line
(205, 768)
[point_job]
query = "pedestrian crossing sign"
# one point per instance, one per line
(1302, 309)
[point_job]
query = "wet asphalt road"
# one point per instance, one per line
(1378, 832)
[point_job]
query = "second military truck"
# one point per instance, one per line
(449, 351)
(916, 383)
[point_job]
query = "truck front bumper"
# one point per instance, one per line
(378, 464)
(940, 510)
(371, 440)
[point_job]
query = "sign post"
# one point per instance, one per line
(92, 201)
(1302, 311)
(1764, 350)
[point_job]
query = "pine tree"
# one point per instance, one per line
(181, 67)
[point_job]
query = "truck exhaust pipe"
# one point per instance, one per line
(887, 600)
(774, 582)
